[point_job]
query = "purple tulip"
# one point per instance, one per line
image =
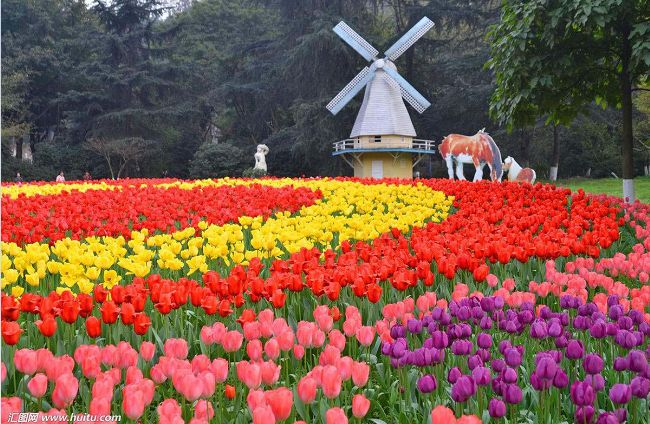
(474, 361)
(539, 329)
(540, 384)
(481, 376)
(453, 375)
(598, 329)
(620, 393)
(584, 414)
(463, 389)
(461, 347)
(509, 376)
(561, 380)
(640, 387)
(400, 347)
(555, 329)
(504, 345)
(625, 323)
(546, 368)
(574, 350)
(397, 331)
(596, 380)
(512, 394)
(440, 339)
(484, 341)
(561, 342)
(621, 363)
(637, 360)
(607, 418)
(414, 326)
(497, 408)
(484, 354)
(592, 364)
(427, 383)
(582, 393)
(487, 304)
(486, 323)
(498, 365)
(513, 357)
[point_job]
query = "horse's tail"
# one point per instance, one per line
(496, 157)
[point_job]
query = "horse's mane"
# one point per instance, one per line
(496, 155)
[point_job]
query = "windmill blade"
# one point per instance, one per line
(355, 41)
(408, 39)
(350, 90)
(409, 93)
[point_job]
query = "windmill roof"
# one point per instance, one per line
(383, 111)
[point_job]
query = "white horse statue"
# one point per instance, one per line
(517, 173)
(479, 150)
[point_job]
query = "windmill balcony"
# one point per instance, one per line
(384, 143)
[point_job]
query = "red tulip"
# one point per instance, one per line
(11, 332)
(93, 327)
(47, 326)
(141, 323)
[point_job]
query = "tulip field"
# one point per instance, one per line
(324, 301)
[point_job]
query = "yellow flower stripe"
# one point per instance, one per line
(347, 211)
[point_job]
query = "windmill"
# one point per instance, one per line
(382, 142)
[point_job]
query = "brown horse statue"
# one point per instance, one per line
(479, 150)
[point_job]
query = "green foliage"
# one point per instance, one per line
(254, 173)
(217, 161)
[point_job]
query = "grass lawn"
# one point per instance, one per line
(609, 186)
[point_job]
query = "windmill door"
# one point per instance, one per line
(377, 170)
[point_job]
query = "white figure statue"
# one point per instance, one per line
(260, 157)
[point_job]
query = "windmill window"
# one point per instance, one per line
(377, 139)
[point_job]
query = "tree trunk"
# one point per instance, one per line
(626, 100)
(525, 147)
(555, 158)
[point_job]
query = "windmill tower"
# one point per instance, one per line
(382, 142)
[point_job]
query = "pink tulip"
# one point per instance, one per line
(133, 375)
(365, 335)
(38, 385)
(203, 410)
(286, 340)
(263, 415)
(337, 339)
(254, 350)
(249, 374)
(147, 350)
(4, 372)
(43, 357)
(336, 416)
(272, 349)
(169, 408)
(329, 356)
(219, 369)
(209, 384)
(344, 365)
(331, 382)
(65, 390)
(255, 398)
(133, 401)
(200, 363)
(90, 366)
(360, 373)
(252, 330)
(360, 406)
(307, 388)
(270, 372)
(281, 401)
(25, 361)
(298, 351)
(176, 348)
(100, 405)
(207, 335)
(232, 341)
(10, 406)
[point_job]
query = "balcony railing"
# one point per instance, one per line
(411, 144)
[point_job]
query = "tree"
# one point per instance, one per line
(118, 153)
(218, 161)
(556, 58)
